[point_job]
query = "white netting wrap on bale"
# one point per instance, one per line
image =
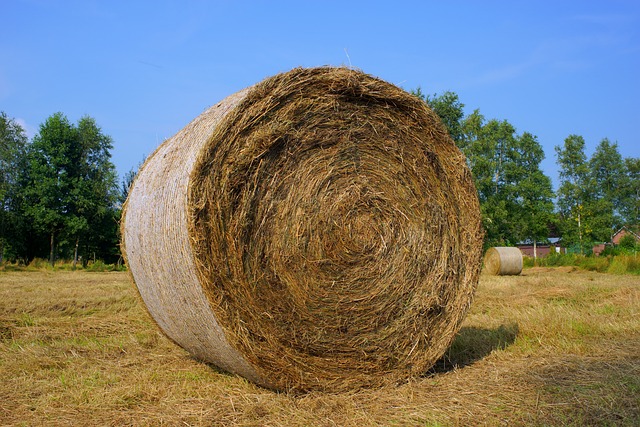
(503, 261)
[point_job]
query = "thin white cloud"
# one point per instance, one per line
(559, 55)
(29, 130)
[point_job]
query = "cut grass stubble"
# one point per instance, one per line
(550, 347)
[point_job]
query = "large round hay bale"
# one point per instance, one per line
(318, 230)
(503, 261)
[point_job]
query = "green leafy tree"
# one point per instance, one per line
(630, 206)
(515, 195)
(533, 191)
(72, 185)
(628, 242)
(51, 165)
(607, 181)
(419, 93)
(13, 142)
(94, 189)
(490, 151)
(574, 194)
(450, 110)
(125, 185)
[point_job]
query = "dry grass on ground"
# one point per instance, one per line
(550, 347)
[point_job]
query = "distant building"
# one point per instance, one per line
(615, 240)
(624, 231)
(541, 249)
(599, 248)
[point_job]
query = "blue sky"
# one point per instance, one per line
(143, 70)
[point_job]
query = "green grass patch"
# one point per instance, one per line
(615, 264)
(625, 264)
(40, 264)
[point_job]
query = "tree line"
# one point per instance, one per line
(61, 199)
(596, 196)
(59, 192)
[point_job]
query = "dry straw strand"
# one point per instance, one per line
(503, 261)
(319, 230)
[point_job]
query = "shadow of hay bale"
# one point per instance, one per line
(473, 344)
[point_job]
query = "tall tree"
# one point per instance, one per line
(13, 142)
(490, 150)
(51, 166)
(574, 194)
(533, 192)
(515, 195)
(630, 209)
(607, 176)
(72, 184)
(419, 93)
(94, 188)
(450, 110)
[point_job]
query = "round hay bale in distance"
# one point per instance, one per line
(503, 261)
(319, 230)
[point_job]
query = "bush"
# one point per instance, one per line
(99, 265)
(556, 259)
(625, 264)
(39, 264)
(620, 263)
(594, 263)
(627, 242)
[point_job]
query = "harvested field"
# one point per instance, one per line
(549, 347)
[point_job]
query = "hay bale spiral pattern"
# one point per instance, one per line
(333, 233)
